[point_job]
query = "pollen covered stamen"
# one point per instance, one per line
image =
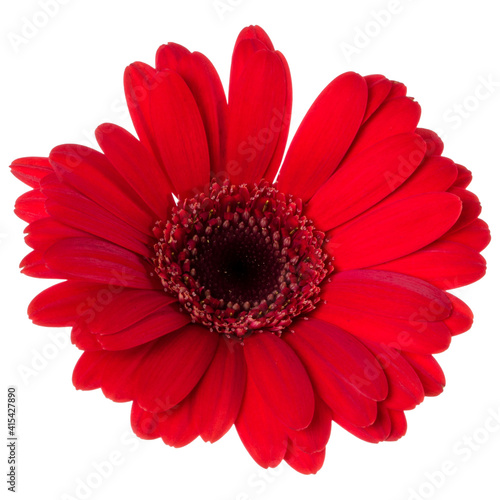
(242, 258)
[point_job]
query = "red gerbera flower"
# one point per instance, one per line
(276, 306)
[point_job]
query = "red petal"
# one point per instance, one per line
(139, 80)
(177, 426)
(43, 233)
(174, 426)
(250, 40)
(83, 339)
(415, 334)
(171, 370)
(386, 294)
(169, 57)
(343, 396)
(475, 235)
(464, 177)
(205, 85)
(262, 434)
(277, 158)
(398, 90)
(444, 264)
(121, 308)
(137, 166)
(434, 144)
(392, 308)
(372, 79)
(254, 131)
(144, 423)
(217, 398)
(365, 180)
(395, 116)
(121, 371)
(65, 303)
(378, 89)
(433, 174)
(30, 206)
(471, 208)
(429, 372)
(91, 259)
(405, 389)
(346, 356)
(115, 372)
(305, 463)
(34, 265)
(90, 173)
(314, 437)
(290, 395)
(378, 431)
(73, 209)
(179, 134)
(87, 374)
(392, 231)
(31, 170)
(162, 322)
(325, 134)
(398, 425)
(461, 318)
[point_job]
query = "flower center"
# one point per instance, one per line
(242, 258)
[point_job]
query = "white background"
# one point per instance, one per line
(60, 83)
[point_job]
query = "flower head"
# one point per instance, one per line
(211, 283)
